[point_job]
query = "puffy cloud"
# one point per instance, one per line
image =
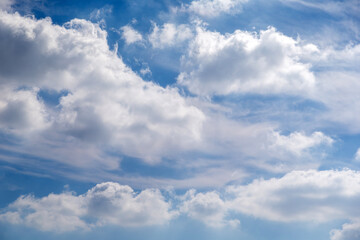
(106, 203)
(106, 107)
(349, 231)
(245, 62)
(130, 35)
(213, 8)
(301, 196)
(120, 205)
(297, 142)
(107, 104)
(21, 110)
(169, 35)
(207, 207)
(55, 212)
(308, 196)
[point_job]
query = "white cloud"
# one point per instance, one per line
(207, 207)
(349, 231)
(261, 145)
(297, 142)
(101, 13)
(337, 90)
(106, 203)
(120, 205)
(145, 71)
(110, 108)
(130, 35)
(21, 110)
(55, 212)
(107, 104)
(301, 196)
(338, 85)
(306, 196)
(213, 8)
(244, 62)
(169, 35)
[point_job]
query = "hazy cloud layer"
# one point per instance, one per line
(214, 8)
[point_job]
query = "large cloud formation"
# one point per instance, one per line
(101, 109)
(244, 62)
(301, 196)
(106, 203)
(105, 102)
(305, 196)
(214, 8)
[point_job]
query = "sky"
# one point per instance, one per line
(170, 119)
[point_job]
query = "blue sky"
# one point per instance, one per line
(202, 119)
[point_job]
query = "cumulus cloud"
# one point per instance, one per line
(130, 35)
(301, 196)
(297, 142)
(106, 107)
(207, 207)
(349, 231)
(21, 110)
(306, 196)
(169, 35)
(245, 62)
(106, 203)
(51, 213)
(106, 104)
(213, 8)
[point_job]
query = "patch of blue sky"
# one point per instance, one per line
(137, 167)
(17, 181)
(26, 173)
(343, 153)
(51, 97)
